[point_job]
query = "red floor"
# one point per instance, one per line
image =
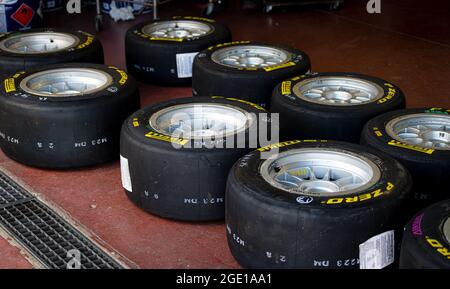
(409, 44)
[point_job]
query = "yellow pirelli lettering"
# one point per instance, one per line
(360, 198)
(284, 65)
(410, 147)
(286, 87)
(166, 39)
(377, 132)
(246, 102)
(135, 122)
(166, 138)
(123, 75)
(10, 85)
(228, 44)
(438, 246)
(391, 93)
(351, 199)
(279, 145)
(88, 41)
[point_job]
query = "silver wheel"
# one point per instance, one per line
(422, 130)
(320, 172)
(329, 90)
(251, 56)
(201, 120)
(39, 42)
(66, 82)
(446, 230)
(185, 29)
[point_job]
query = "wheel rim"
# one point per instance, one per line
(422, 130)
(250, 56)
(320, 172)
(338, 91)
(184, 29)
(39, 43)
(201, 120)
(66, 82)
(446, 230)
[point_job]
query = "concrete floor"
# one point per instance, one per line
(408, 44)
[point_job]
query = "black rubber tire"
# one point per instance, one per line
(301, 119)
(89, 49)
(210, 78)
(66, 132)
(154, 60)
(184, 184)
(268, 227)
(429, 170)
(424, 244)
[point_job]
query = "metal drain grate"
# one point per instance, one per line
(11, 193)
(44, 233)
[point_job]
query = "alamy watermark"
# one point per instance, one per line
(74, 257)
(374, 7)
(73, 6)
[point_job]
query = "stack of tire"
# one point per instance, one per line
(325, 179)
(317, 199)
(60, 107)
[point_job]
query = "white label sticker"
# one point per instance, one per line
(125, 172)
(184, 64)
(377, 252)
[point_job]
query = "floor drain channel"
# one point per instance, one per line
(11, 193)
(46, 235)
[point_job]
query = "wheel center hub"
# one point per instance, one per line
(252, 60)
(319, 187)
(179, 33)
(338, 95)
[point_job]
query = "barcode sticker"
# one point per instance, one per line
(184, 64)
(377, 252)
(125, 173)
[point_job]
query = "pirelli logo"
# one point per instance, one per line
(410, 147)
(167, 39)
